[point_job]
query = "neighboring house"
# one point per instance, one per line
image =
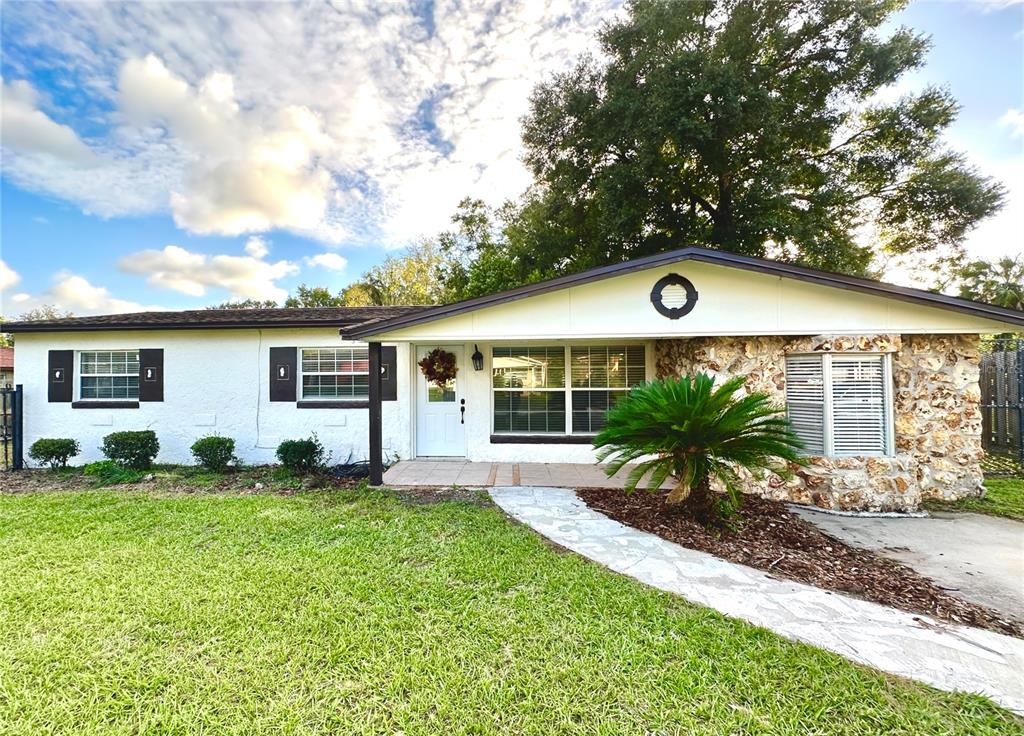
(6, 367)
(880, 381)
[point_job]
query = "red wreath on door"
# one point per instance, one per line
(438, 367)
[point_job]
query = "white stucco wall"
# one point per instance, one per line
(215, 382)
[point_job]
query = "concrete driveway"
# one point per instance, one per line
(979, 558)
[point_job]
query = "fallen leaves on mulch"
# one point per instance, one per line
(767, 536)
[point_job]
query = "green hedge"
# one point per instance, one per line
(214, 452)
(135, 450)
(54, 452)
(302, 456)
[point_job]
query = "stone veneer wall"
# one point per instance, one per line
(937, 416)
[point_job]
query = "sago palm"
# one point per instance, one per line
(689, 429)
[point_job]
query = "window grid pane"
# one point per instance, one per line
(110, 387)
(529, 386)
(618, 366)
(335, 373)
(528, 368)
(613, 370)
(590, 409)
(534, 412)
(109, 374)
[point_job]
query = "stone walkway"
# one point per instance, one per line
(948, 657)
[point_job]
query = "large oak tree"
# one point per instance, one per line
(752, 126)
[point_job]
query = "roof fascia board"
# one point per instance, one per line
(28, 327)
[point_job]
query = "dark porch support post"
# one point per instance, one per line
(376, 442)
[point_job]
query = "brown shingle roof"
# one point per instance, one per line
(347, 317)
(6, 358)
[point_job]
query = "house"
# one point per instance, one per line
(880, 381)
(6, 367)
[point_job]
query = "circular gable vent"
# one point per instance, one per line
(674, 296)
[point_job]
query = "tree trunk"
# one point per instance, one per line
(723, 225)
(698, 502)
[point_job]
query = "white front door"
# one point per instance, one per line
(440, 431)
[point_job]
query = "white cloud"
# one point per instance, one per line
(73, 293)
(248, 174)
(77, 295)
(1014, 120)
(335, 120)
(330, 261)
(8, 277)
(257, 247)
(193, 274)
(30, 131)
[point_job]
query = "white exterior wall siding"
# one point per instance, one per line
(215, 382)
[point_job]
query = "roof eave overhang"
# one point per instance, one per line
(28, 327)
(1008, 317)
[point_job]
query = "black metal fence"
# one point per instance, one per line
(10, 428)
(1002, 405)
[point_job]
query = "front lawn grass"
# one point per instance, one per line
(355, 612)
(1003, 497)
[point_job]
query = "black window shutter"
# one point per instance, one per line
(388, 373)
(283, 374)
(151, 374)
(61, 366)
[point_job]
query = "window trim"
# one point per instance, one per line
(327, 402)
(80, 402)
(567, 436)
(888, 401)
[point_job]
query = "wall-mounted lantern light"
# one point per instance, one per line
(478, 359)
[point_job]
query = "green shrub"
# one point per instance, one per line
(214, 452)
(695, 432)
(109, 473)
(302, 456)
(135, 450)
(54, 452)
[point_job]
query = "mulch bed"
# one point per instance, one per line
(769, 537)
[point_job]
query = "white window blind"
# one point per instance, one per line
(805, 400)
(858, 405)
(839, 404)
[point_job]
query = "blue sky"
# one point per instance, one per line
(179, 155)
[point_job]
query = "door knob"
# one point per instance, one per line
(462, 411)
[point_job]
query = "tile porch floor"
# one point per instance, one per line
(447, 472)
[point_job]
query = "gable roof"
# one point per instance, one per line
(342, 317)
(701, 255)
